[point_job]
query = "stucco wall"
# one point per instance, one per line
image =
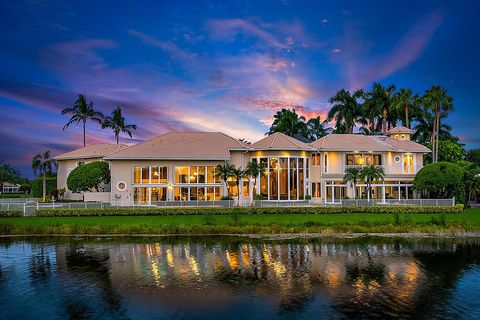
(63, 170)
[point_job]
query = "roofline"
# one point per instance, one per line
(287, 149)
(81, 157)
(379, 150)
(164, 158)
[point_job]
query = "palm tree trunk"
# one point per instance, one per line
(254, 187)
(117, 138)
(44, 187)
(84, 141)
(384, 120)
(407, 122)
(437, 136)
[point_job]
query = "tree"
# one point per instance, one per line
(81, 112)
(352, 175)
(437, 100)
(425, 126)
(8, 174)
(42, 165)
(448, 151)
(255, 169)
(238, 175)
(288, 122)
(90, 176)
(471, 180)
(370, 174)
(316, 129)
(346, 110)
(441, 180)
(116, 122)
(378, 108)
(223, 173)
(473, 156)
(405, 103)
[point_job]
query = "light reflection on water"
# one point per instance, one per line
(164, 278)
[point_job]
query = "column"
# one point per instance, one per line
(383, 193)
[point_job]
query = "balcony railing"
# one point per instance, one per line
(392, 169)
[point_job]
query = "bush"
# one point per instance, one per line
(4, 213)
(90, 176)
(37, 186)
(258, 197)
(442, 180)
(308, 197)
(242, 211)
(226, 198)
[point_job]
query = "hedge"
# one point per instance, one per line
(242, 211)
(5, 213)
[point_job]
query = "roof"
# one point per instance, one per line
(92, 151)
(279, 141)
(399, 129)
(360, 142)
(183, 145)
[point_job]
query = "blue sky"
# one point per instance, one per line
(221, 65)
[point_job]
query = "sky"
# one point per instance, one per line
(221, 65)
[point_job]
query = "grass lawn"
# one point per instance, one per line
(469, 220)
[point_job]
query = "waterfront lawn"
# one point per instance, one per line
(469, 220)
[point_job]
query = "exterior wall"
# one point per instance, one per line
(122, 171)
(97, 196)
(63, 170)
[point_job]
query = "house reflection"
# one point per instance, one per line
(199, 275)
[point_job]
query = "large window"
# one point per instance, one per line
(363, 159)
(196, 175)
(147, 195)
(150, 175)
(284, 178)
(197, 193)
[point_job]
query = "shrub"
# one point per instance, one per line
(257, 197)
(37, 186)
(308, 197)
(226, 198)
(90, 176)
(441, 180)
(4, 213)
(242, 211)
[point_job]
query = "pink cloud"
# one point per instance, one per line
(410, 47)
(227, 29)
(172, 49)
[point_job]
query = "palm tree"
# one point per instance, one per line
(424, 127)
(370, 174)
(346, 110)
(437, 100)
(238, 174)
(255, 169)
(405, 102)
(288, 122)
(223, 173)
(81, 112)
(116, 122)
(42, 164)
(378, 107)
(352, 175)
(316, 129)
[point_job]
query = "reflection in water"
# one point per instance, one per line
(218, 277)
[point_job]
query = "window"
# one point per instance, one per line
(196, 175)
(201, 175)
(408, 166)
(315, 159)
(197, 193)
(145, 175)
(325, 163)
(137, 174)
(121, 186)
(363, 159)
(210, 174)
(181, 174)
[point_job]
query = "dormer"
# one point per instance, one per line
(400, 133)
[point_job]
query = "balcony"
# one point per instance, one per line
(399, 169)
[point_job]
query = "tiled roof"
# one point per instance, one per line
(279, 141)
(400, 129)
(359, 142)
(183, 145)
(92, 151)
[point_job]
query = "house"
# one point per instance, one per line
(9, 187)
(181, 166)
(68, 161)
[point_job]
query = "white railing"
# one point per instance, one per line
(29, 208)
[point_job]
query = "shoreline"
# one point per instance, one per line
(283, 236)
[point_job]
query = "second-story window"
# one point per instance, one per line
(363, 159)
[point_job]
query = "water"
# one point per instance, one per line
(239, 278)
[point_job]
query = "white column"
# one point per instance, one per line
(399, 196)
(325, 191)
(383, 193)
(333, 192)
